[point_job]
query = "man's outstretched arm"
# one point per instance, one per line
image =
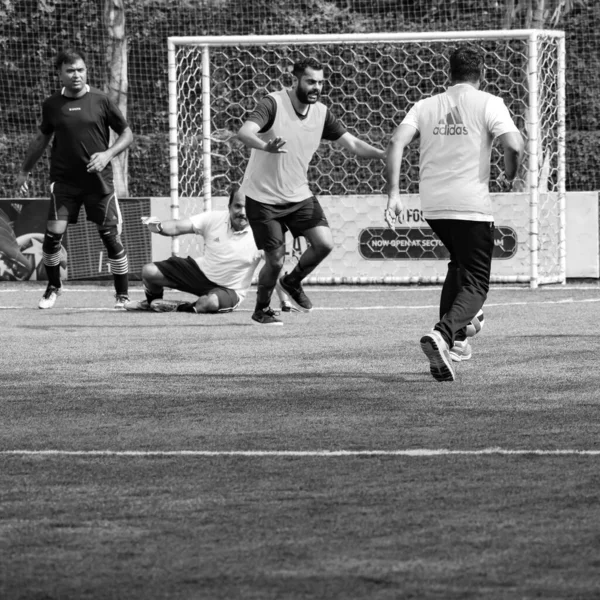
(170, 228)
(359, 148)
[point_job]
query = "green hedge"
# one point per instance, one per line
(149, 165)
(583, 160)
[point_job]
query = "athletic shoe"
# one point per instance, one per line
(460, 351)
(49, 297)
(143, 305)
(266, 316)
(121, 300)
(436, 350)
(161, 305)
(286, 306)
(297, 296)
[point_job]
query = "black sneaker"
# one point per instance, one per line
(266, 316)
(297, 296)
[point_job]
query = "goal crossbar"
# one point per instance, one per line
(351, 38)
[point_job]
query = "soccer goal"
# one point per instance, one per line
(371, 82)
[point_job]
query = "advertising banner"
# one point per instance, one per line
(22, 227)
(366, 249)
(83, 256)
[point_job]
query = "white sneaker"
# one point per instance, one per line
(169, 305)
(132, 305)
(460, 351)
(49, 297)
(121, 300)
(436, 350)
(287, 306)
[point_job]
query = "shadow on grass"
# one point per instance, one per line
(75, 326)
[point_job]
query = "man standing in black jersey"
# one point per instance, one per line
(80, 117)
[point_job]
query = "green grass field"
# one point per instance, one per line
(178, 456)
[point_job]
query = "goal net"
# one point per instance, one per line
(372, 80)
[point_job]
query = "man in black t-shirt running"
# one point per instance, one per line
(79, 118)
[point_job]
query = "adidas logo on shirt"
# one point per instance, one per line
(452, 124)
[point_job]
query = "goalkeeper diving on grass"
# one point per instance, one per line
(220, 278)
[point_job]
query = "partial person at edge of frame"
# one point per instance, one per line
(283, 132)
(78, 118)
(454, 172)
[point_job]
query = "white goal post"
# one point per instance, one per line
(371, 82)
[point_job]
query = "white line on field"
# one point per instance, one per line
(337, 308)
(416, 452)
(487, 304)
(339, 289)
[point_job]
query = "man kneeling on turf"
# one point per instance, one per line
(220, 278)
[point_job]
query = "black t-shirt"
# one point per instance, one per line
(266, 109)
(81, 128)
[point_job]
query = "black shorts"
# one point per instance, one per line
(186, 276)
(100, 208)
(269, 222)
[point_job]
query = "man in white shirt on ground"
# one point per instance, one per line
(456, 130)
(220, 277)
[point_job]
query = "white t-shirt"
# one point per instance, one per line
(282, 178)
(230, 257)
(456, 130)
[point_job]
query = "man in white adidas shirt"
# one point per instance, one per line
(284, 131)
(456, 130)
(220, 277)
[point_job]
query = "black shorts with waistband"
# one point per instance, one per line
(269, 222)
(185, 275)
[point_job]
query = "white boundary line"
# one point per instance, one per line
(417, 452)
(334, 308)
(339, 289)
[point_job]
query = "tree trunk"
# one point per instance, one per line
(537, 15)
(116, 81)
(509, 15)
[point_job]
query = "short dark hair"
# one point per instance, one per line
(306, 63)
(67, 57)
(235, 188)
(466, 64)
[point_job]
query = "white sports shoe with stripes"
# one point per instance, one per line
(162, 305)
(436, 350)
(133, 305)
(121, 301)
(49, 298)
(461, 351)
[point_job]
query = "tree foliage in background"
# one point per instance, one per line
(32, 32)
